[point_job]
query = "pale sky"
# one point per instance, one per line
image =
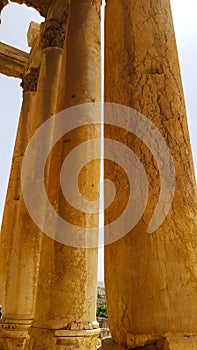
(15, 23)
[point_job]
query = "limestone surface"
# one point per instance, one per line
(12, 61)
(150, 279)
(66, 296)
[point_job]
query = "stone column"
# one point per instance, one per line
(22, 237)
(14, 196)
(151, 279)
(19, 241)
(66, 297)
(13, 193)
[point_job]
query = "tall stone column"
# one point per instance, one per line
(66, 297)
(13, 193)
(14, 196)
(21, 237)
(151, 279)
(19, 241)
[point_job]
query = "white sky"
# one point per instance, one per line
(15, 23)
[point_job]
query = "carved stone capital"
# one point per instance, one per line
(30, 80)
(54, 30)
(53, 35)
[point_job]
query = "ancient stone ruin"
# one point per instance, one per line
(48, 289)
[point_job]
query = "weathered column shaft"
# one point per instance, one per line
(13, 197)
(27, 233)
(22, 237)
(19, 242)
(66, 298)
(151, 279)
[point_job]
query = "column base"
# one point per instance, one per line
(63, 339)
(14, 334)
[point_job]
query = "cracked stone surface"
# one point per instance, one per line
(150, 279)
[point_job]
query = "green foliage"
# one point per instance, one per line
(101, 311)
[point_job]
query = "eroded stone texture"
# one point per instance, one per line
(63, 339)
(168, 343)
(20, 236)
(151, 279)
(108, 344)
(33, 33)
(10, 232)
(66, 296)
(30, 80)
(54, 30)
(180, 343)
(11, 249)
(13, 199)
(19, 248)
